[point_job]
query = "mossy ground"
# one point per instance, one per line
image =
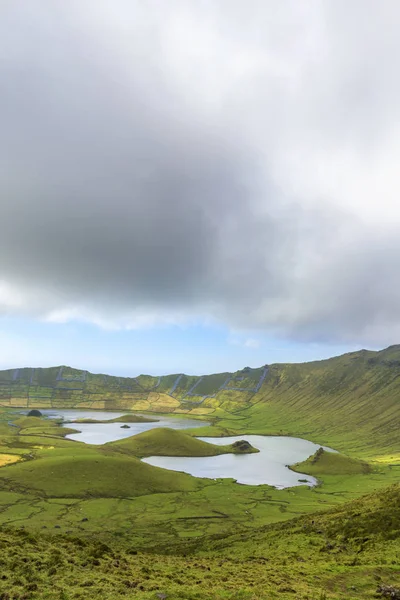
(341, 554)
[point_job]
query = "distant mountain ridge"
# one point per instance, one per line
(68, 387)
(356, 395)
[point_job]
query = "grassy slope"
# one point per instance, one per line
(340, 555)
(38, 496)
(122, 419)
(329, 463)
(350, 402)
(168, 442)
(220, 508)
(89, 473)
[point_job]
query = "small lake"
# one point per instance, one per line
(269, 466)
(100, 433)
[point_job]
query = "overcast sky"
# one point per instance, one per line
(213, 165)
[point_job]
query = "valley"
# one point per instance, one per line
(146, 530)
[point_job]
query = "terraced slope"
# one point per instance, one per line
(57, 387)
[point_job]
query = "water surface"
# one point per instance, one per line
(269, 466)
(100, 433)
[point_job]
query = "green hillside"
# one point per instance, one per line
(349, 553)
(351, 402)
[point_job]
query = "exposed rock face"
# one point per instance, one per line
(34, 413)
(389, 591)
(318, 455)
(242, 446)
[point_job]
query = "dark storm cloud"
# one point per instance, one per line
(182, 160)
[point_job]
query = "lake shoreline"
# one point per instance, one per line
(269, 466)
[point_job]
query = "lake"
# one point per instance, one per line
(269, 466)
(100, 433)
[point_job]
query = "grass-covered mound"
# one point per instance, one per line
(332, 463)
(24, 422)
(171, 442)
(91, 474)
(37, 426)
(122, 419)
(48, 431)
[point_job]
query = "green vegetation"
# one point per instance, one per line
(81, 521)
(330, 463)
(91, 474)
(346, 554)
(350, 402)
(122, 419)
(171, 442)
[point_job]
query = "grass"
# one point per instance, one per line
(123, 419)
(97, 522)
(8, 459)
(153, 507)
(350, 402)
(342, 554)
(80, 474)
(169, 442)
(330, 463)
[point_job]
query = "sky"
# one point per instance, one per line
(198, 185)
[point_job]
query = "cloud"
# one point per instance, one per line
(252, 343)
(162, 162)
(237, 339)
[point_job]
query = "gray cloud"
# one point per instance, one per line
(202, 159)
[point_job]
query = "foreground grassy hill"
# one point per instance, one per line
(349, 553)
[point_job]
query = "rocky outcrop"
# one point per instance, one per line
(242, 446)
(34, 413)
